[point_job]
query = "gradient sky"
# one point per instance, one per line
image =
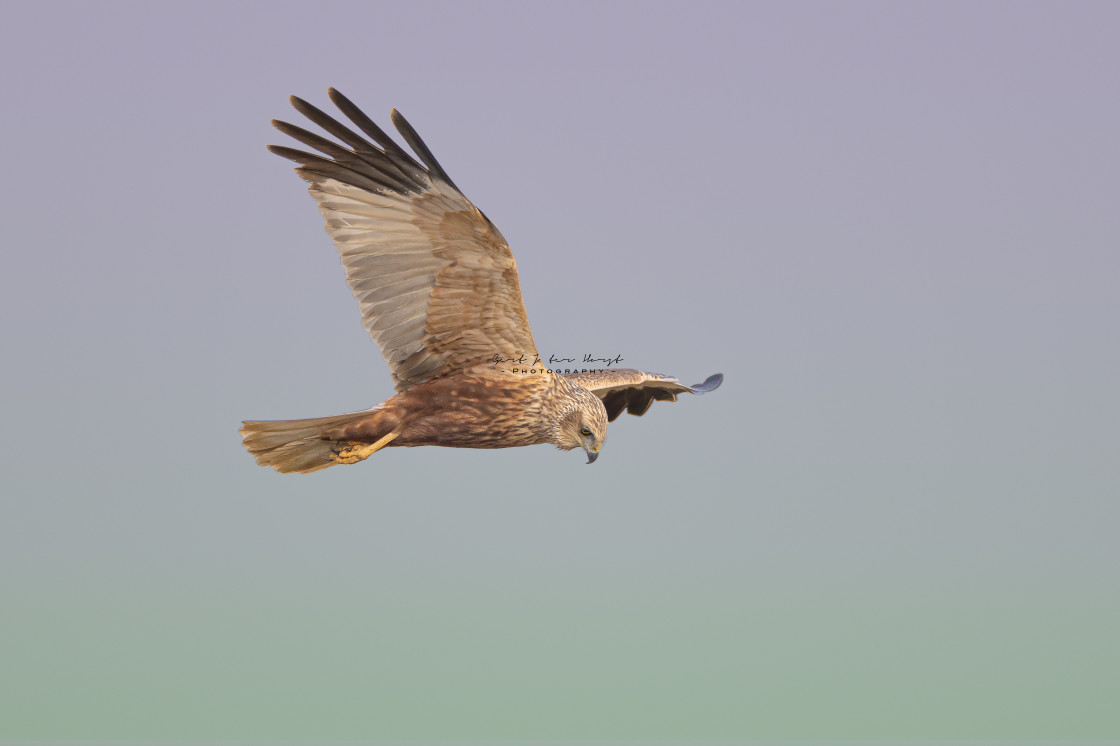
(893, 226)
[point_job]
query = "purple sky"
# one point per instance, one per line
(893, 226)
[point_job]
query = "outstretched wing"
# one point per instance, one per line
(435, 280)
(635, 390)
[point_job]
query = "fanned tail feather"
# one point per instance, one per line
(301, 446)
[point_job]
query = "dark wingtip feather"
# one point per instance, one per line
(290, 153)
(418, 146)
(639, 401)
(711, 383)
(299, 104)
(367, 125)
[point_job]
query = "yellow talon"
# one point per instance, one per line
(354, 454)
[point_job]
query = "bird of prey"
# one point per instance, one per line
(438, 291)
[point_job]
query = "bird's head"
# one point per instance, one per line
(583, 424)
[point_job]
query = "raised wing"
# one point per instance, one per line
(635, 390)
(435, 280)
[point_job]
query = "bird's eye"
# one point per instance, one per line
(584, 431)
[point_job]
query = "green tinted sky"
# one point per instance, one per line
(893, 226)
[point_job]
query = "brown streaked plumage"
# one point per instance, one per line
(438, 290)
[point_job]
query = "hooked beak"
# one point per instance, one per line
(591, 456)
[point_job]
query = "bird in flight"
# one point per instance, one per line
(438, 291)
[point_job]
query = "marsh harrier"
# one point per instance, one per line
(438, 291)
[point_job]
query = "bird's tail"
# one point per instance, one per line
(298, 445)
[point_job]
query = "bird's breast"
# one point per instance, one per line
(473, 412)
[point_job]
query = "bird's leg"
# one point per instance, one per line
(354, 454)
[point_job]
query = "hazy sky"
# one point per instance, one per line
(893, 226)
